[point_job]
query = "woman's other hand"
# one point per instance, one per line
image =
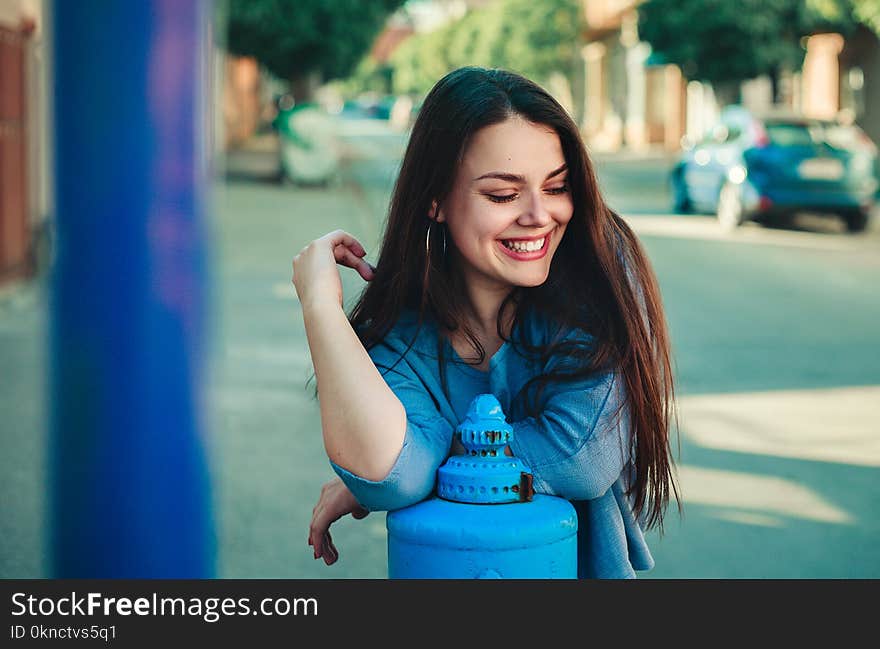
(315, 274)
(335, 502)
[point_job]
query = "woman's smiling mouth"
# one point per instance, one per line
(526, 249)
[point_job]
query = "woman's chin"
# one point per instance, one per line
(529, 280)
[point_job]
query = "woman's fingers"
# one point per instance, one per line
(342, 238)
(349, 252)
(330, 554)
(334, 502)
(316, 540)
(360, 513)
(317, 530)
(347, 257)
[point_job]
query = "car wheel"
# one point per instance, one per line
(730, 210)
(855, 221)
(681, 202)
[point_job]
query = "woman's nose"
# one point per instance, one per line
(536, 212)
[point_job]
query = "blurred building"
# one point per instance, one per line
(854, 78)
(396, 31)
(24, 132)
(240, 97)
(634, 100)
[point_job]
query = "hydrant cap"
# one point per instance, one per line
(485, 414)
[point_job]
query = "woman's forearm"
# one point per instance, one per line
(363, 422)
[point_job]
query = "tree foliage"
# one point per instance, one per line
(721, 41)
(866, 12)
(295, 38)
(536, 39)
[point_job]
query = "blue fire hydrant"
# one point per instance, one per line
(486, 522)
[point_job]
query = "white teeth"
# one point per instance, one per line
(525, 246)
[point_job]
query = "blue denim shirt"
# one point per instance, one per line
(578, 447)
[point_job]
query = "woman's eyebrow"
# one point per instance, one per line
(517, 178)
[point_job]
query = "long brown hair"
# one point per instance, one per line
(600, 279)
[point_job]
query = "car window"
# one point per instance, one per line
(706, 140)
(789, 134)
(733, 132)
(717, 135)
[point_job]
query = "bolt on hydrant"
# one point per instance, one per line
(485, 522)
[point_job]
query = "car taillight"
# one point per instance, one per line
(765, 203)
(762, 140)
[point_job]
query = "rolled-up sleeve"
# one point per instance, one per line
(425, 446)
(579, 445)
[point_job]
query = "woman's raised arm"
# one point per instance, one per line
(363, 422)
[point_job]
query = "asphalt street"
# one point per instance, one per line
(777, 359)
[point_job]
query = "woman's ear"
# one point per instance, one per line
(435, 214)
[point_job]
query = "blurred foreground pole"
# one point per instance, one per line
(130, 492)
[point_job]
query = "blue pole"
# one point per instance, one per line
(130, 494)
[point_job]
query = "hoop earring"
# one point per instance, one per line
(428, 239)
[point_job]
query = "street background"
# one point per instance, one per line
(775, 343)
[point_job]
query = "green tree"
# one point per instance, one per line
(849, 12)
(421, 60)
(539, 38)
(725, 43)
(302, 40)
(868, 13)
(536, 39)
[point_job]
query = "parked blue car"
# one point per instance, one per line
(768, 166)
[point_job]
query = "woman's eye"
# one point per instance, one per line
(501, 199)
(507, 198)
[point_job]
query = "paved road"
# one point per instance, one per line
(777, 359)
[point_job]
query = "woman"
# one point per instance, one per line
(501, 271)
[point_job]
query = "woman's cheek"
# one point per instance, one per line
(567, 212)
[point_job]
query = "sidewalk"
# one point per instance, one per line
(23, 421)
(261, 421)
(258, 158)
(267, 451)
(255, 159)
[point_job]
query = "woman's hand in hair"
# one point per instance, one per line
(335, 502)
(315, 274)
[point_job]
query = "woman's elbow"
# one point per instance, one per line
(396, 496)
(408, 497)
(375, 466)
(575, 485)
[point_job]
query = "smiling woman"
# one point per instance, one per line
(506, 215)
(507, 223)
(502, 271)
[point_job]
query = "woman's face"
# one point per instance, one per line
(509, 205)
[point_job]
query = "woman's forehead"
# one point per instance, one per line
(515, 146)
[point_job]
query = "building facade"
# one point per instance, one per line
(631, 99)
(24, 136)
